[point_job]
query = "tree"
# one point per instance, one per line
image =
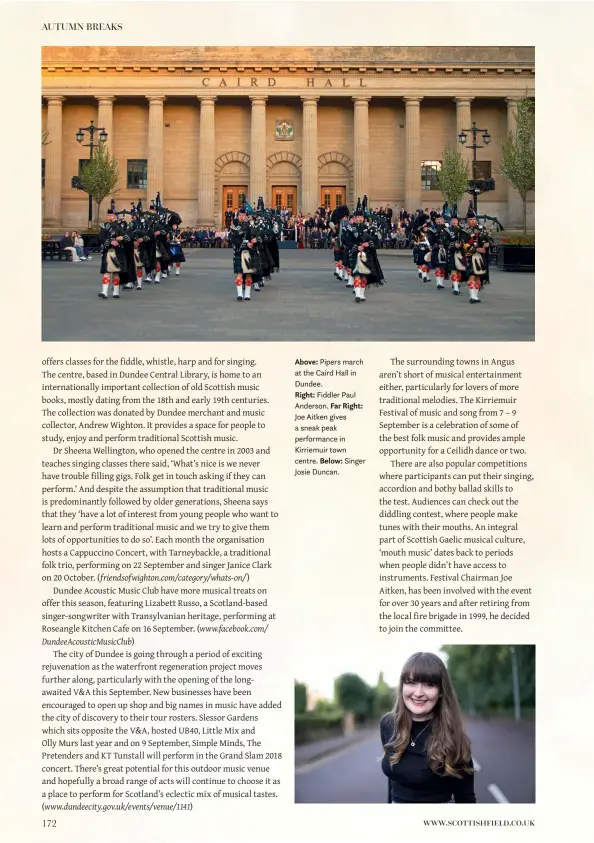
(518, 153)
(353, 694)
(100, 176)
(482, 676)
(452, 179)
(300, 698)
(383, 697)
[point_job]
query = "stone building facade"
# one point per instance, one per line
(301, 127)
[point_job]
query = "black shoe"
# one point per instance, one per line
(239, 298)
(440, 287)
(357, 300)
(102, 295)
(455, 292)
(474, 301)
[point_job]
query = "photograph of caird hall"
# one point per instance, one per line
(299, 126)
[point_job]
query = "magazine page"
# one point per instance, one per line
(296, 426)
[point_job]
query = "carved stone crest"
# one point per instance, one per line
(284, 130)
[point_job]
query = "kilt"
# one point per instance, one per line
(113, 260)
(350, 258)
(255, 258)
(439, 260)
(420, 255)
(460, 270)
(372, 264)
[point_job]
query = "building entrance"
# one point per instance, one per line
(233, 197)
(285, 196)
(332, 197)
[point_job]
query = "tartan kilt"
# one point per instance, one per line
(419, 255)
(439, 260)
(377, 276)
(256, 261)
(120, 256)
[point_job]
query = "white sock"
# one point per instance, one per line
(157, 277)
(456, 285)
(248, 292)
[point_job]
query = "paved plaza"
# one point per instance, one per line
(304, 302)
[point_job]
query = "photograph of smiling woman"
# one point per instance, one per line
(427, 756)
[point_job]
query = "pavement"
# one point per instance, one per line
(308, 753)
(304, 302)
(350, 772)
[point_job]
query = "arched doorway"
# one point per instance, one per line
(335, 179)
(284, 181)
(232, 174)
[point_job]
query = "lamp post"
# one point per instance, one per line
(80, 136)
(463, 137)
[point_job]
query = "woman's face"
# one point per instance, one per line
(420, 698)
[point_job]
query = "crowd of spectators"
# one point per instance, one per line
(312, 231)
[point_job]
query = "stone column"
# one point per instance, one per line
(361, 148)
(464, 121)
(53, 163)
(412, 154)
(515, 209)
(258, 151)
(154, 183)
(206, 161)
(105, 118)
(310, 199)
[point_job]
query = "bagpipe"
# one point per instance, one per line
(167, 217)
(496, 224)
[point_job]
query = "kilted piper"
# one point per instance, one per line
(246, 258)
(114, 240)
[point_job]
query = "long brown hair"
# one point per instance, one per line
(448, 747)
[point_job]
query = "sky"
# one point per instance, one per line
(318, 667)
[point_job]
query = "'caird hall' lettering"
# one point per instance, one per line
(270, 82)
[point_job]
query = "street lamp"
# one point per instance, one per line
(463, 137)
(80, 136)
